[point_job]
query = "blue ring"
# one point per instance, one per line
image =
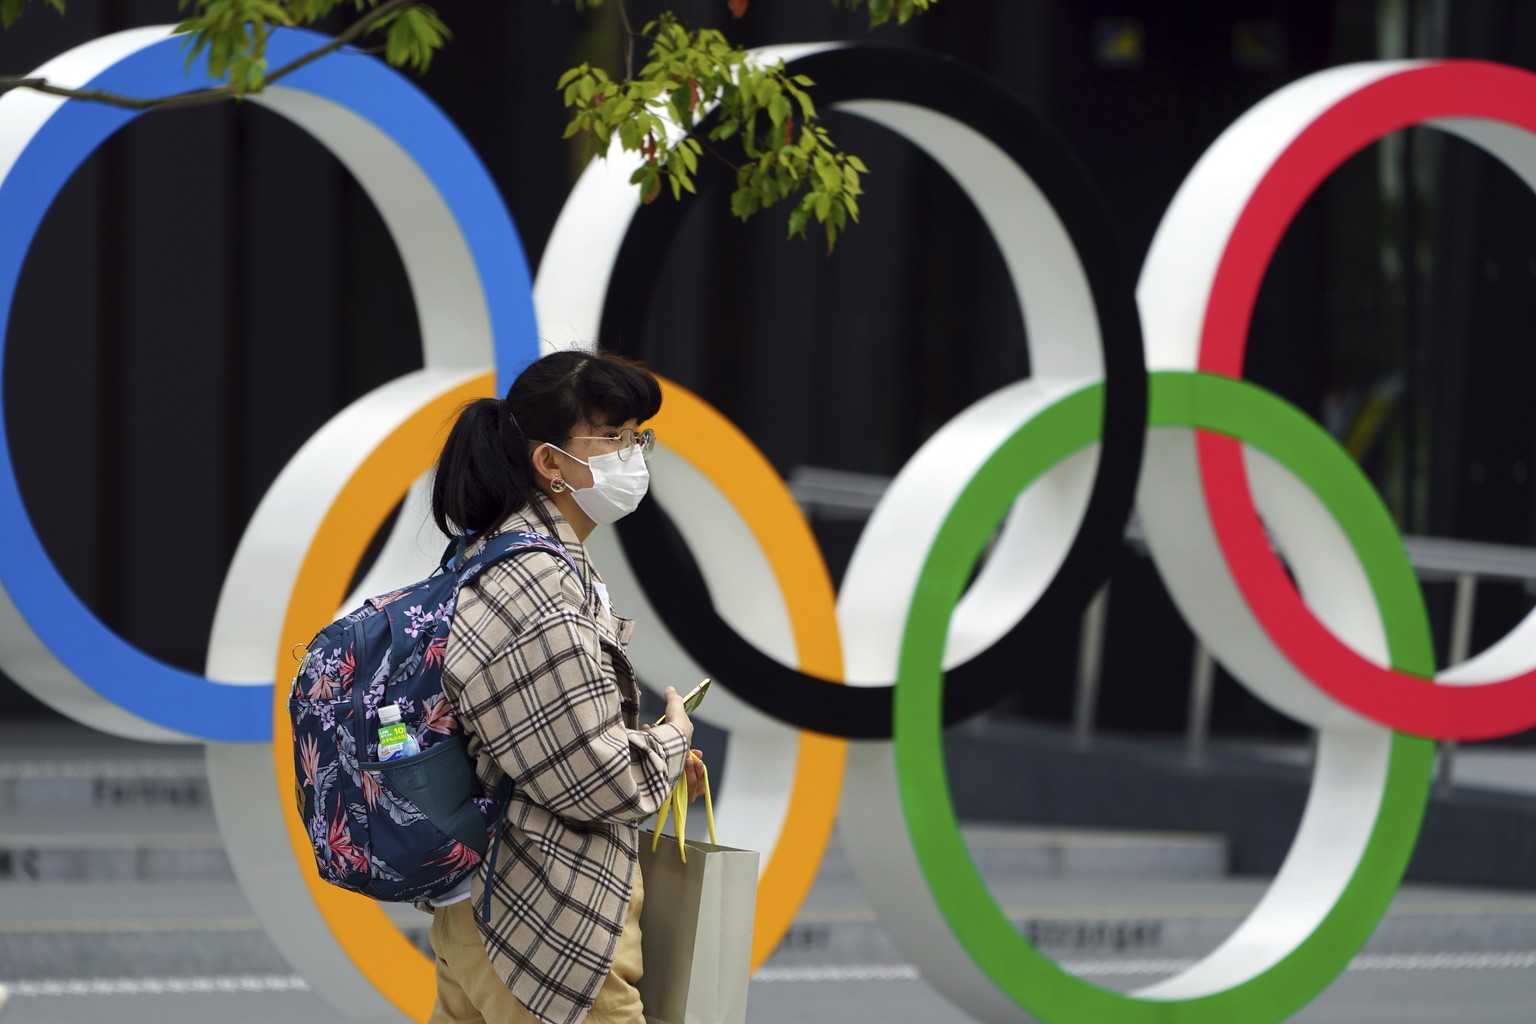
(143, 685)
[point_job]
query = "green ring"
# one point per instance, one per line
(1023, 973)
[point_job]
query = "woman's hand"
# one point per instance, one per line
(678, 715)
(693, 771)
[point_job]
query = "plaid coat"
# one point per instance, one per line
(537, 672)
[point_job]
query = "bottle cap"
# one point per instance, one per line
(389, 714)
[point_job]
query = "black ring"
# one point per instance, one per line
(944, 85)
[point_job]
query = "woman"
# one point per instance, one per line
(537, 673)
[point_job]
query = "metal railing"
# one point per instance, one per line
(843, 495)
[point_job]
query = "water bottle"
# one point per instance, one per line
(395, 740)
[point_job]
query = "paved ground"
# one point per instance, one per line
(141, 922)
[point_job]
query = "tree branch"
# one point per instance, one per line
(629, 40)
(717, 154)
(218, 94)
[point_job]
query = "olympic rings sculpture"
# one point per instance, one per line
(1053, 459)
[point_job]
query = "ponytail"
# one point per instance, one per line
(484, 474)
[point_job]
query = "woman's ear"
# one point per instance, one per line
(545, 463)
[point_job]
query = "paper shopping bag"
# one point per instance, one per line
(696, 932)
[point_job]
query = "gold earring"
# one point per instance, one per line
(557, 485)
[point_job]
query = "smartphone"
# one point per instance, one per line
(691, 700)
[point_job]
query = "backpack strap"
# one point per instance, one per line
(501, 796)
(453, 554)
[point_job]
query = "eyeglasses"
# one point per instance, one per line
(628, 441)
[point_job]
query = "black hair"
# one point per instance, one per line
(485, 473)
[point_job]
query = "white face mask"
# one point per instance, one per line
(617, 486)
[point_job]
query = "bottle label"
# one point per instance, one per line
(392, 741)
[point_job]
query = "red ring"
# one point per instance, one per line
(1399, 700)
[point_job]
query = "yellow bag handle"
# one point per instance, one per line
(677, 803)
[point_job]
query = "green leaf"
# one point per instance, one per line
(629, 135)
(744, 203)
(10, 10)
(271, 11)
(797, 220)
(857, 164)
(778, 109)
(415, 34)
(807, 107)
(689, 160)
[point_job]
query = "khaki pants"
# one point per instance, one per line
(470, 992)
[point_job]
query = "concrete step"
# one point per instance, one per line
(1155, 919)
(1013, 771)
(1023, 851)
(62, 764)
(52, 844)
(90, 784)
(145, 929)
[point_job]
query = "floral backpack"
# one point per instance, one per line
(411, 828)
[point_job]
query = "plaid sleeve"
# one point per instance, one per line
(547, 709)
